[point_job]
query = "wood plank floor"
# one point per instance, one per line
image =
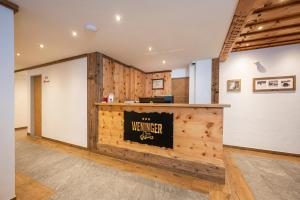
(235, 187)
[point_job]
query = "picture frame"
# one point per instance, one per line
(234, 85)
(158, 84)
(278, 83)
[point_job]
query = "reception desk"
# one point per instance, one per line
(184, 138)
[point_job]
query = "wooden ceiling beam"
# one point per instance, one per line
(243, 9)
(266, 45)
(270, 37)
(274, 20)
(10, 5)
(278, 5)
(270, 30)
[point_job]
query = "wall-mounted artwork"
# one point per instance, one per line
(157, 84)
(234, 85)
(279, 83)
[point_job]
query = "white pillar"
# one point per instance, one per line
(7, 134)
(200, 82)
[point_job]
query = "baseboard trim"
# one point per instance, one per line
(21, 128)
(64, 143)
(263, 151)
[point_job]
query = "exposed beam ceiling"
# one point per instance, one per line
(268, 23)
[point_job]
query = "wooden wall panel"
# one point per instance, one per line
(215, 81)
(180, 90)
(167, 84)
(126, 83)
(197, 132)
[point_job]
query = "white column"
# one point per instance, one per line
(192, 75)
(7, 135)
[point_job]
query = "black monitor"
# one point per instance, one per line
(157, 99)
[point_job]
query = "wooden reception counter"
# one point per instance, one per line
(196, 135)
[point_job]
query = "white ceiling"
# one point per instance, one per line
(179, 31)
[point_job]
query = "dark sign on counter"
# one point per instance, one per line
(149, 128)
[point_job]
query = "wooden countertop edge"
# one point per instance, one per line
(165, 105)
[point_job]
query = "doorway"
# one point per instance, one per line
(36, 105)
(180, 90)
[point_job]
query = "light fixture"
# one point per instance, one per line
(164, 62)
(18, 54)
(260, 27)
(118, 18)
(247, 44)
(150, 48)
(91, 27)
(74, 33)
(42, 46)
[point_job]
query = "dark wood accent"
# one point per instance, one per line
(52, 62)
(37, 96)
(94, 94)
(10, 5)
(238, 22)
(163, 71)
(215, 81)
(21, 128)
(65, 143)
(196, 169)
(15, 198)
(262, 150)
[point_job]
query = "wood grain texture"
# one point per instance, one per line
(94, 94)
(129, 83)
(198, 137)
(168, 105)
(37, 96)
(180, 90)
(215, 81)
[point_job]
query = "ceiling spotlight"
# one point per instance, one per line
(18, 54)
(118, 18)
(42, 46)
(260, 27)
(247, 45)
(74, 33)
(164, 62)
(150, 48)
(91, 27)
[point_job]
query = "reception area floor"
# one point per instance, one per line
(50, 170)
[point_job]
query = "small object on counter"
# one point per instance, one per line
(110, 98)
(104, 100)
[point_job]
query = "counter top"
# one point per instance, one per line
(181, 105)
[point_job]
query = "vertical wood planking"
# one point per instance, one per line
(37, 105)
(94, 94)
(215, 81)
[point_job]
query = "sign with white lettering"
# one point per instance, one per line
(149, 128)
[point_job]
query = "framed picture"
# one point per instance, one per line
(157, 84)
(234, 85)
(279, 83)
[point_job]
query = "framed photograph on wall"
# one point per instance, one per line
(157, 84)
(234, 85)
(279, 83)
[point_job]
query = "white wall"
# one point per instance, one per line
(64, 101)
(269, 120)
(21, 99)
(200, 82)
(7, 136)
(180, 73)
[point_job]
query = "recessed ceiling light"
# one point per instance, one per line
(247, 44)
(150, 48)
(260, 27)
(91, 27)
(42, 46)
(164, 62)
(118, 18)
(74, 33)
(18, 54)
